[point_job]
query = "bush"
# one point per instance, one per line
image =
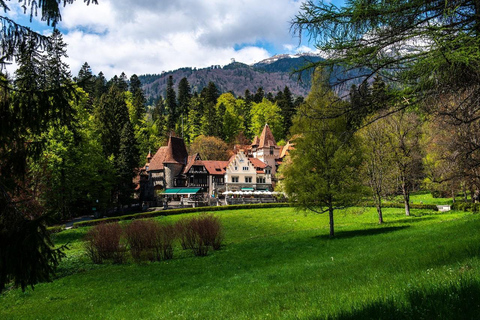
(210, 230)
(166, 238)
(199, 233)
(149, 240)
(104, 242)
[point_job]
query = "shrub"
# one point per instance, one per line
(141, 237)
(103, 242)
(186, 233)
(165, 241)
(199, 233)
(210, 230)
(149, 240)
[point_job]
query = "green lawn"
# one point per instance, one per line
(280, 264)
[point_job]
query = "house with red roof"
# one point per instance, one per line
(244, 173)
(206, 174)
(164, 170)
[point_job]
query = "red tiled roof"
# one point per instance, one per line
(157, 161)
(257, 163)
(266, 139)
(176, 151)
(216, 167)
(191, 160)
(255, 141)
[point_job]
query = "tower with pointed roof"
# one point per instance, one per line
(266, 148)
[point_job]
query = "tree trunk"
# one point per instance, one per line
(406, 199)
(380, 215)
(378, 204)
(330, 214)
(453, 195)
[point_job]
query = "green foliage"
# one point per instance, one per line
(322, 175)
(267, 112)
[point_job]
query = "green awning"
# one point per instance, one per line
(172, 191)
(189, 190)
(247, 189)
(181, 191)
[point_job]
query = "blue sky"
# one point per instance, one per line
(152, 36)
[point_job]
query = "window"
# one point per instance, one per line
(248, 179)
(268, 171)
(234, 179)
(271, 150)
(260, 180)
(236, 168)
(245, 168)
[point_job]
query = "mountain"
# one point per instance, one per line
(272, 74)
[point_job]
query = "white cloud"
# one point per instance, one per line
(152, 36)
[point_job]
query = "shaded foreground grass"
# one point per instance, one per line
(277, 263)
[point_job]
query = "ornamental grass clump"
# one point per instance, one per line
(103, 242)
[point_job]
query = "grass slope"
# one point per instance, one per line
(280, 264)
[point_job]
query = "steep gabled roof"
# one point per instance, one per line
(255, 141)
(157, 161)
(176, 151)
(191, 160)
(266, 139)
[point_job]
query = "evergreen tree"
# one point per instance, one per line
(100, 86)
(184, 96)
(112, 114)
(171, 105)
(85, 79)
(122, 82)
(287, 109)
(259, 95)
(126, 163)
(27, 255)
(210, 94)
(138, 99)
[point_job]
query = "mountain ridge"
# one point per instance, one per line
(272, 74)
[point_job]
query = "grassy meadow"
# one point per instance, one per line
(280, 264)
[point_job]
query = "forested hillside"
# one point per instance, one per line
(272, 75)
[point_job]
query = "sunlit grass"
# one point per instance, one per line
(278, 263)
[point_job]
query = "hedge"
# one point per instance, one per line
(402, 205)
(152, 214)
(466, 206)
(56, 229)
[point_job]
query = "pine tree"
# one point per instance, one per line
(138, 99)
(126, 163)
(122, 82)
(171, 105)
(100, 86)
(85, 79)
(184, 96)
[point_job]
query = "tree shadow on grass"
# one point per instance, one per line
(361, 233)
(457, 301)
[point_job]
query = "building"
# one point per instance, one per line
(244, 173)
(206, 174)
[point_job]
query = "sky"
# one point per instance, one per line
(152, 36)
